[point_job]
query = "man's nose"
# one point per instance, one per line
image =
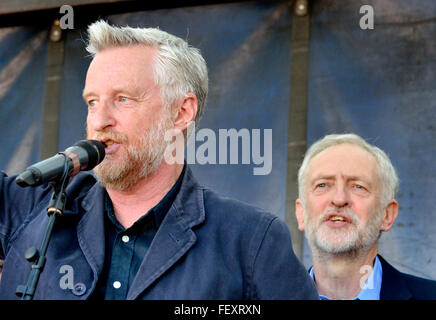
(101, 117)
(340, 197)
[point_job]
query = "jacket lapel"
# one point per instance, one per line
(90, 230)
(393, 285)
(174, 237)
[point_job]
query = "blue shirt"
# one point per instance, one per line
(372, 287)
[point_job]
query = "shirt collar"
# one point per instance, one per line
(161, 209)
(158, 211)
(372, 287)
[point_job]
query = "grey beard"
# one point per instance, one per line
(137, 166)
(140, 160)
(355, 243)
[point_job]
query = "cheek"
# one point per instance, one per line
(137, 121)
(129, 124)
(365, 212)
(89, 131)
(89, 122)
(313, 211)
(317, 204)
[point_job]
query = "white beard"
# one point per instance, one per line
(346, 241)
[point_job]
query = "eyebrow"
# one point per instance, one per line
(331, 177)
(87, 93)
(130, 91)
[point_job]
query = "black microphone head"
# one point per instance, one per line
(27, 178)
(95, 150)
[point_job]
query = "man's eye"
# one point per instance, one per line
(123, 99)
(359, 188)
(321, 185)
(92, 103)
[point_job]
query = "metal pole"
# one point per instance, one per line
(297, 123)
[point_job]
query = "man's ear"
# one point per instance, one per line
(390, 213)
(186, 112)
(299, 212)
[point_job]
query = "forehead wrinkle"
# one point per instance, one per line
(364, 179)
(314, 174)
(107, 65)
(134, 92)
(333, 176)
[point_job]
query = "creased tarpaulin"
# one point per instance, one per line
(22, 71)
(247, 50)
(380, 84)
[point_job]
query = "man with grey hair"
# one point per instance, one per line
(142, 227)
(346, 199)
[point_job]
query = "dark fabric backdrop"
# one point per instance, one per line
(377, 83)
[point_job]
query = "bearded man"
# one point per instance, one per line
(346, 199)
(142, 227)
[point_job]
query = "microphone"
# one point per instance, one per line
(83, 155)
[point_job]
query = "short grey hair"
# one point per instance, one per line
(179, 67)
(385, 170)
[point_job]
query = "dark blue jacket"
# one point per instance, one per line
(401, 286)
(207, 247)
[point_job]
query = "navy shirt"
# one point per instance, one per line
(126, 248)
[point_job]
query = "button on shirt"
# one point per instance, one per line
(126, 248)
(372, 287)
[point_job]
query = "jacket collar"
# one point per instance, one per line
(393, 285)
(172, 240)
(174, 236)
(90, 230)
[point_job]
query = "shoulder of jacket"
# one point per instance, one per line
(229, 202)
(80, 184)
(233, 209)
(421, 287)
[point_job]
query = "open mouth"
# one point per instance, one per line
(335, 218)
(107, 143)
(110, 146)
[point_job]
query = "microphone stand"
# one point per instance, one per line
(33, 255)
